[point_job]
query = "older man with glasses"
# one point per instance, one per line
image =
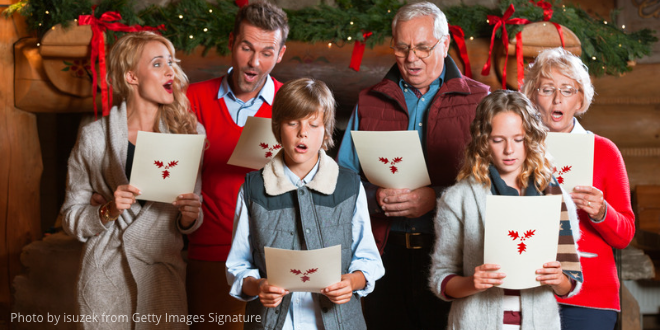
(425, 92)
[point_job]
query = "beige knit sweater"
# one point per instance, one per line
(130, 268)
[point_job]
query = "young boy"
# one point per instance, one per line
(302, 200)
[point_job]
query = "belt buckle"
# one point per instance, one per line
(412, 247)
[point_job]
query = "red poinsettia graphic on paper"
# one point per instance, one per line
(166, 173)
(304, 276)
(269, 150)
(392, 163)
(522, 247)
(561, 172)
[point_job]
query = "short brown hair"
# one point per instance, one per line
(301, 98)
(265, 16)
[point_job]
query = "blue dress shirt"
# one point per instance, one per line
(304, 311)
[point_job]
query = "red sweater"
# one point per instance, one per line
(220, 181)
(601, 285)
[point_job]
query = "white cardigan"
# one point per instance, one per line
(459, 248)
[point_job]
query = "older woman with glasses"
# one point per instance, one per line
(559, 85)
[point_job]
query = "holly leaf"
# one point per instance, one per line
(311, 271)
(158, 163)
(513, 234)
(305, 278)
(268, 154)
(521, 247)
(554, 170)
(560, 180)
(173, 163)
(529, 233)
(295, 271)
(166, 174)
(383, 160)
(277, 146)
(393, 169)
(263, 145)
(396, 160)
(566, 169)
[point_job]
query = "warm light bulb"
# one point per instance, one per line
(329, 44)
(351, 23)
(471, 38)
(349, 38)
(191, 36)
(593, 58)
(605, 22)
(623, 26)
(181, 16)
(206, 30)
(210, 10)
(47, 12)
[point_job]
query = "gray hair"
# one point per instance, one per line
(414, 10)
(566, 64)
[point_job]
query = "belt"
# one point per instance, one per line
(412, 241)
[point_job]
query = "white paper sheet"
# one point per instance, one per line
(257, 144)
(572, 156)
(392, 159)
(303, 270)
(166, 165)
(521, 234)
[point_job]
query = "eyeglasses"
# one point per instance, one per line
(421, 52)
(567, 91)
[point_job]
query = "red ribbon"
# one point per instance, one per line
(99, 25)
(547, 15)
(241, 3)
(459, 37)
(358, 52)
(502, 22)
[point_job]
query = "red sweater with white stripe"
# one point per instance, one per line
(220, 181)
(600, 288)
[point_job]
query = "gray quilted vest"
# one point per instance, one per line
(286, 221)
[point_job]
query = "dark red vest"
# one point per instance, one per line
(383, 108)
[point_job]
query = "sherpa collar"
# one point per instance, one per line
(277, 183)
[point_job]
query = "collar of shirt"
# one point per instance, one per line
(435, 85)
(267, 93)
(577, 128)
(295, 180)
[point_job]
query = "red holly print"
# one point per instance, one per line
(392, 164)
(166, 173)
(522, 247)
(561, 172)
(270, 151)
(304, 278)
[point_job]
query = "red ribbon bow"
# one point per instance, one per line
(459, 37)
(547, 15)
(99, 25)
(502, 22)
(358, 52)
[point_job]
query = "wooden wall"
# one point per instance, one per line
(20, 168)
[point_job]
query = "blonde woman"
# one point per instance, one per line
(560, 88)
(506, 156)
(131, 264)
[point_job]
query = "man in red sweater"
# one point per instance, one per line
(222, 105)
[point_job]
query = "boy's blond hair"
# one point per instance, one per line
(301, 98)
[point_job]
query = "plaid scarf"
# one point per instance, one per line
(566, 250)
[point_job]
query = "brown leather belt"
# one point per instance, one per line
(413, 241)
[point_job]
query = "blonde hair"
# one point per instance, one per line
(301, 98)
(566, 64)
(124, 57)
(477, 153)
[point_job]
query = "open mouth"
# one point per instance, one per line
(301, 147)
(557, 115)
(250, 76)
(168, 86)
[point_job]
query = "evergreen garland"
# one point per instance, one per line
(606, 48)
